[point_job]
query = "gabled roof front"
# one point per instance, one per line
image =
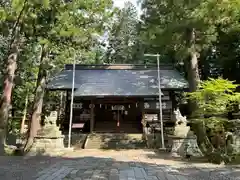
(117, 80)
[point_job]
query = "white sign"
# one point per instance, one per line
(164, 105)
(118, 107)
(151, 117)
(155, 105)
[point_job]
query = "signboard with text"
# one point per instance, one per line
(151, 117)
(155, 105)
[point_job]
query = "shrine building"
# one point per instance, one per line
(116, 98)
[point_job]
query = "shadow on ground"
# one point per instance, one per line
(155, 165)
(167, 156)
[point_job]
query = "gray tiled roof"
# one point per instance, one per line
(112, 82)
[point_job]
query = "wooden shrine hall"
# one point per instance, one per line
(117, 98)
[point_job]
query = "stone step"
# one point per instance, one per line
(114, 141)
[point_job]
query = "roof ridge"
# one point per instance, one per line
(117, 66)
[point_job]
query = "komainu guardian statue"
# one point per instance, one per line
(178, 118)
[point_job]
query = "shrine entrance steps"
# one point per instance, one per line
(114, 141)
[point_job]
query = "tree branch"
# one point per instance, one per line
(15, 26)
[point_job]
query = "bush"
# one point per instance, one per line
(214, 99)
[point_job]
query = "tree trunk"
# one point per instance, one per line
(193, 72)
(11, 66)
(203, 141)
(24, 115)
(35, 123)
(193, 80)
(192, 65)
(5, 101)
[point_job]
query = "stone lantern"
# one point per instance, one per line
(49, 139)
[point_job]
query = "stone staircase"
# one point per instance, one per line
(114, 141)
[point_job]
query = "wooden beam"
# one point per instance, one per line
(116, 100)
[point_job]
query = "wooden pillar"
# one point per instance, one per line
(66, 115)
(91, 117)
(60, 109)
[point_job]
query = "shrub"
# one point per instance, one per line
(214, 99)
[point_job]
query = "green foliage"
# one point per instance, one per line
(215, 124)
(64, 28)
(217, 27)
(168, 21)
(215, 97)
(123, 38)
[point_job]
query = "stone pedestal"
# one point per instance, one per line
(178, 147)
(192, 147)
(49, 139)
(183, 146)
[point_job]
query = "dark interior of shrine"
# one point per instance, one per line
(111, 115)
(124, 117)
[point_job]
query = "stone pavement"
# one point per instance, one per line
(115, 165)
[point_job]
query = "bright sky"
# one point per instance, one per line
(120, 3)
